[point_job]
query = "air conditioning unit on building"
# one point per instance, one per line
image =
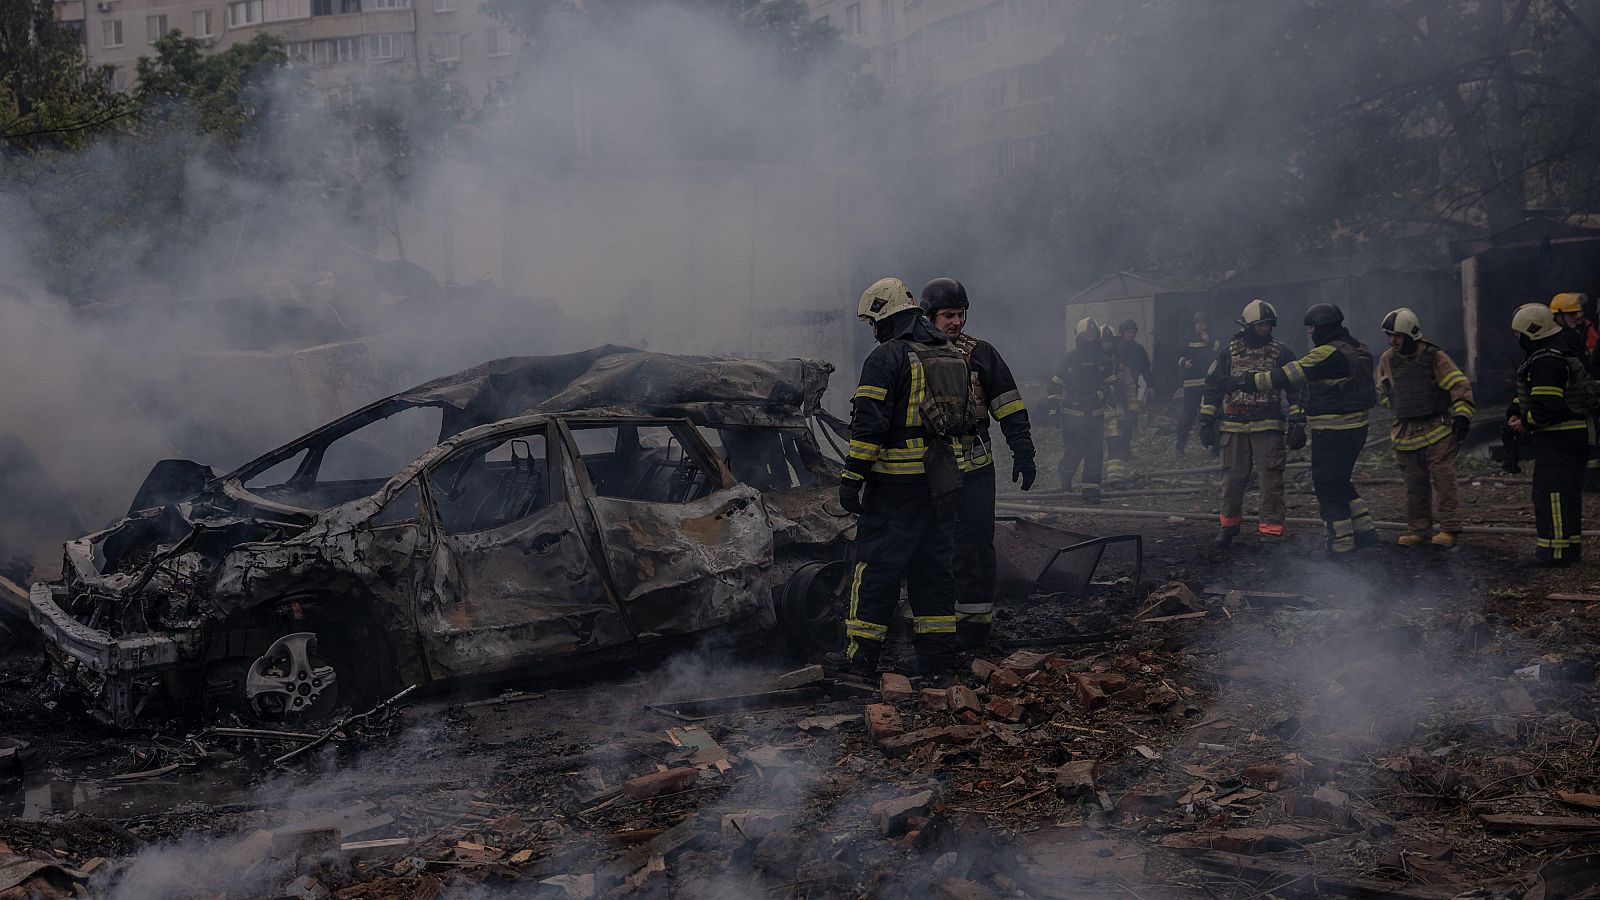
(104, 5)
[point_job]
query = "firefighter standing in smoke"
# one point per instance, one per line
(1554, 411)
(1122, 403)
(994, 390)
(1432, 404)
(1337, 377)
(1077, 397)
(1138, 363)
(1583, 338)
(1252, 423)
(1198, 355)
(910, 410)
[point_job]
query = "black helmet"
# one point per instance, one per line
(1127, 326)
(1200, 318)
(943, 293)
(1324, 315)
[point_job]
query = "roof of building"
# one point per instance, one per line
(1121, 286)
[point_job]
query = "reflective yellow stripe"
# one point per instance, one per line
(854, 627)
(1004, 401)
(1569, 425)
(851, 476)
(1252, 427)
(1337, 421)
(1439, 433)
(865, 450)
(1453, 379)
(1462, 408)
(1546, 390)
(934, 624)
(1014, 406)
(872, 392)
(899, 468)
(919, 390)
(1194, 382)
(1206, 409)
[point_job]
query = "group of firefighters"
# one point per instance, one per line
(920, 476)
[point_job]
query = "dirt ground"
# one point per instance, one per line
(1266, 722)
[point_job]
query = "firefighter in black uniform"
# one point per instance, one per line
(944, 301)
(1571, 312)
(1122, 400)
(1554, 411)
(1077, 397)
(909, 475)
(1198, 355)
(1337, 377)
(1138, 362)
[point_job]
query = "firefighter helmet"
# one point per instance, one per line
(1200, 318)
(1258, 311)
(943, 293)
(1534, 321)
(886, 297)
(1129, 325)
(1086, 325)
(1568, 303)
(1324, 315)
(1404, 322)
(1107, 333)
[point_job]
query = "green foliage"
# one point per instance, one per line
(228, 91)
(49, 98)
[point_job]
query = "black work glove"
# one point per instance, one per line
(1208, 433)
(1459, 426)
(1022, 467)
(850, 494)
(1297, 435)
(1245, 383)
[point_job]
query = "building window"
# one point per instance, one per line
(389, 4)
(886, 13)
(202, 23)
(334, 7)
(154, 27)
(445, 47)
(495, 40)
(852, 19)
(247, 12)
(1032, 85)
(111, 33)
(391, 45)
(1022, 14)
(279, 10)
(444, 6)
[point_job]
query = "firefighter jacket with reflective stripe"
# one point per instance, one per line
(1081, 381)
(996, 390)
(1553, 389)
(1202, 351)
(887, 438)
(1337, 377)
(1424, 389)
(1245, 412)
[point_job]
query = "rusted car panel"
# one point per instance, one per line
(510, 541)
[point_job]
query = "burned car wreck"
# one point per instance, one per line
(527, 514)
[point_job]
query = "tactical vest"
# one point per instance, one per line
(947, 407)
(1582, 393)
(966, 343)
(1354, 393)
(1415, 393)
(1085, 379)
(1247, 360)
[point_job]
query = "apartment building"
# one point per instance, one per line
(340, 40)
(979, 64)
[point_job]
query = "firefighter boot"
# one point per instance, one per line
(1410, 540)
(1225, 536)
(863, 662)
(1444, 540)
(1091, 496)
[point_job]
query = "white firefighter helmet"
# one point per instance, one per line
(1107, 333)
(1086, 325)
(1258, 311)
(1403, 321)
(1534, 321)
(886, 297)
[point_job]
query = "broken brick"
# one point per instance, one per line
(983, 668)
(883, 722)
(1026, 660)
(1132, 695)
(896, 687)
(1089, 694)
(893, 817)
(1161, 698)
(801, 677)
(1039, 677)
(1517, 701)
(1270, 774)
(1141, 805)
(911, 740)
(935, 698)
(1004, 708)
(1075, 780)
(963, 698)
(1004, 680)
(657, 783)
(1281, 836)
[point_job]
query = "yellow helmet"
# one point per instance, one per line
(1086, 325)
(1568, 303)
(1534, 321)
(886, 297)
(1403, 321)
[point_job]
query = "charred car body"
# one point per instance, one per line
(530, 513)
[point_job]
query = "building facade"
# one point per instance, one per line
(979, 63)
(339, 40)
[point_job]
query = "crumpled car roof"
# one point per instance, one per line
(707, 390)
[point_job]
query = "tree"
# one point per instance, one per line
(49, 96)
(228, 91)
